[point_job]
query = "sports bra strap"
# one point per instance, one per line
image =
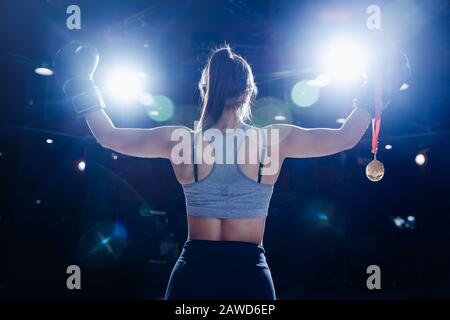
(194, 162)
(261, 162)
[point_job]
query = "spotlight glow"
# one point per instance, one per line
(388, 147)
(420, 159)
(146, 99)
(42, 71)
(322, 80)
(49, 141)
(125, 85)
(81, 165)
(344, 61)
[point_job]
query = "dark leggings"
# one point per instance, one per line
(220, 270)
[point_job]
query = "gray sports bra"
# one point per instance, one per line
(227, 192)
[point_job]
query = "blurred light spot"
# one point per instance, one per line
(340, 120)
(323, 216)
(120, 230)
(420, 159)
(388, 147)
(49, 141)
(145, 209)
(114, 156)
(42, 71)
(81, 165)
(398, 221)
(161, 109)
(38, 201)
(322, 80)
(279, 118)
(404, 86)
(304, 95)
(410, 222)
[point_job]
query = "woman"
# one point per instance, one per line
(227, 203)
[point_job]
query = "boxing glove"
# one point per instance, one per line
(392, 70)
(74, 66)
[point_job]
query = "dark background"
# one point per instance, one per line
(326, 222)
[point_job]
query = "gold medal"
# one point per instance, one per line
(375, 170)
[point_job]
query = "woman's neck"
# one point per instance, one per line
(228, 120)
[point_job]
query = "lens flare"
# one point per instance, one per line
(160, 108)
(304, 95)
(103, 244)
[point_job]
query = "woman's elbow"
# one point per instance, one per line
(352, 141)
(107, 142)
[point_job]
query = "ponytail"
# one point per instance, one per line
(223, 84)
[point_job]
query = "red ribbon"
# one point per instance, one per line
(377, 120)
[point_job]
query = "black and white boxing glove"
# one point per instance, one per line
(393, 70)
(74, 66)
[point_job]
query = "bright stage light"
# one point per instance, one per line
(388, 147)
(420, 159)
(125, 85)
(344, 61)
(42, 71)
(49, 141)
(81, 165)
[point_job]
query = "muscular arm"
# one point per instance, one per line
(148, 143)
(305, 143)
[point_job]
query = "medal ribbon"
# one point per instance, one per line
(377, 120)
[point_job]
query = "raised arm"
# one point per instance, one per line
(147, 143)
(75, 65)
(317, 142)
